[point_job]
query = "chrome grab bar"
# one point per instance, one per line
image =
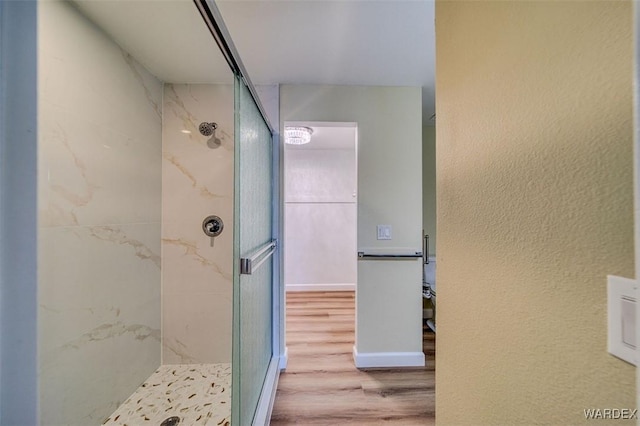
(247, 266)
(426, 250)
(414, 255)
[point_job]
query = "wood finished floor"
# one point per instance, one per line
(321, 385)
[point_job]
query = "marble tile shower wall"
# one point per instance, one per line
(99, 199)
(197, 181)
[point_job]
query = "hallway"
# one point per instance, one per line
(321, 385)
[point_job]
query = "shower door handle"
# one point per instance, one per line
(249, 264)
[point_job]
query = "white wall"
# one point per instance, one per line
(389, 303)
(18, 230)
(320, 218)
(99, 169)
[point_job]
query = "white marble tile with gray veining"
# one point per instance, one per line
(99, 126)
(198, 394)
(117, 235)
(197, 181)
(186, 106)
(199, 254)
(197, 328)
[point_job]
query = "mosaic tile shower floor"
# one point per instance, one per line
(199, 394)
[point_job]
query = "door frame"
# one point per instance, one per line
(284, 356)
(322, 124)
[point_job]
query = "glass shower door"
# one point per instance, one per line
(253, 260)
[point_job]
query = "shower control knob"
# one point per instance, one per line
(212, 226)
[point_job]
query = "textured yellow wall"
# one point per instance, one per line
(534, 194)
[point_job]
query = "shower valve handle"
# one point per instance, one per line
(212, 226)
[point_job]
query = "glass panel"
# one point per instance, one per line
(252, 344)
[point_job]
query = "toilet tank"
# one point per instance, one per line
(430, 272)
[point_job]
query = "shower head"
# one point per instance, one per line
(206, 129)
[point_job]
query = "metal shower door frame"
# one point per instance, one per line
(215, 23)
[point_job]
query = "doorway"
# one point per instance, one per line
(320, 209)
(320, 261)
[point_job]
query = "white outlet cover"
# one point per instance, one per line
(621, 318)
(384, 232)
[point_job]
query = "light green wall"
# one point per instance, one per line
(389, 304)
(535, 208)
(429, 185)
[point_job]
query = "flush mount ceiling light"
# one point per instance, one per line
(297, 135)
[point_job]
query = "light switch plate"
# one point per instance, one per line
(384, 232)
(621, 318)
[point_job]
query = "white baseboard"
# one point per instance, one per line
(387, 359)
(262, 416)
(322, 287)
(284, 359)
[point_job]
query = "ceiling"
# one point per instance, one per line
(326, 135)
(168, 37)
(341, 42)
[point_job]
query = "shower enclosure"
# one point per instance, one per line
(155, 241)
